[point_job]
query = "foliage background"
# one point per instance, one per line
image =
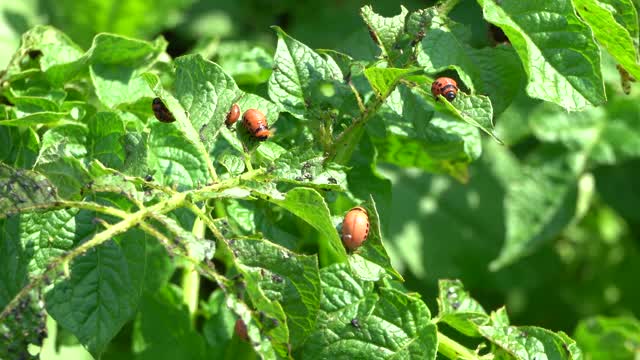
(435, 227)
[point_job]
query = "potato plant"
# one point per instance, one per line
(139, 221)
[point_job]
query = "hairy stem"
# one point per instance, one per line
(454, 350)
(190, 277)
(345, 144)
(446, 6)
(129, 221)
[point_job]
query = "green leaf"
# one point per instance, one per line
(23, 189)
(298, 72)
(101, 294)
(56, 49)
(45, 236)
(557, 50)
(305, 167)
(612, 35)
(51, 119)
(384, 80)
(528, 342)
(385, 32)
(472, 109)
(458, 309)
(309, 205)
(292, 280)
(219, 325)
(605, 136)
(179, 134)
(32, 100)
(175, 160)
(206, 92)
(61, 159)
(11, 30)
(501, 75)
(163, 328)
(15, 260)
(136, 18)
(21, 146)
(442, 50)
(413, 135)
(232, 162)
(493, 71)
(609, 337)
(355, 321)
(105, 131)
(115, 64)
(540, 200)
(625, 14)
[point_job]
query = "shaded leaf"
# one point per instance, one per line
(609, 337)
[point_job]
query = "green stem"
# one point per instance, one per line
(100, 238)
(206, 220)
(446, 6)
(358, 98)
(345, 144)
(247, 162)
(129, 221)
(454, 350)
(190, 277)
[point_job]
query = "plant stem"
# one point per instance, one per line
(190, 277)
(446, 6)
(358, 98)
(454, 350)
(247, 161)
(129, 221)
(346, 143)
(100, 238)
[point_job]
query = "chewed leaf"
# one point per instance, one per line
(23, 189)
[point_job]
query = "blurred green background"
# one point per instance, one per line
(437, 227)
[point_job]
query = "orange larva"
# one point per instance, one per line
(256, 123)
(233, 115)
(355, 228)
(446, 87)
